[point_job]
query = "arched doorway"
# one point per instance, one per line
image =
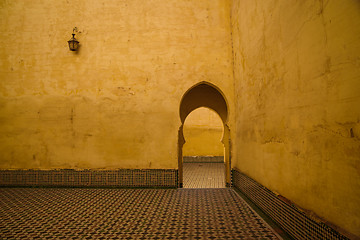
(203, 151)
(204, 94)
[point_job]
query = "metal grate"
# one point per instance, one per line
(292, 220)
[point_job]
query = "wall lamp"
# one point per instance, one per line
(73, 43)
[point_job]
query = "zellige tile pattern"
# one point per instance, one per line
(294, 221)
(203, 175)
(90, 178)
(73, 213)
(203, 159)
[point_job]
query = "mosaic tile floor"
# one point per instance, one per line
(204, 175)
(73, 213)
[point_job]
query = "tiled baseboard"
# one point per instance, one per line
(295, 222)
(203, 159)
(90, 178)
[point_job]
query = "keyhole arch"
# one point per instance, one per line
(204, 94)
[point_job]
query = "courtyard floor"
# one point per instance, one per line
(195, 212)
(73, 213)
(204, 175)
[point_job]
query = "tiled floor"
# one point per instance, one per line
(73, 213)
(204, 175)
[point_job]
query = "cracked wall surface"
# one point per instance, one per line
(297, 86)
(115, 102)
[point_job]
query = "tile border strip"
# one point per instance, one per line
(203, 159)
(295, 222)
(143, 178)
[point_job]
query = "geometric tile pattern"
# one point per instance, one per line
(90, 213)
(294, 221)
(204, 175)
(203, 159)
(91, 178)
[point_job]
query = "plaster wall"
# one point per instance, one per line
(203, 132)
(297, 84)
(115, 102)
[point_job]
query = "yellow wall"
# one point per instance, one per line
(297, 83)
(115, 103)
(203, 133)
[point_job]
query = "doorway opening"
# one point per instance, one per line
(202, 97)
(203, 151)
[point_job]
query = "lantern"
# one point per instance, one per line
(73, 43)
